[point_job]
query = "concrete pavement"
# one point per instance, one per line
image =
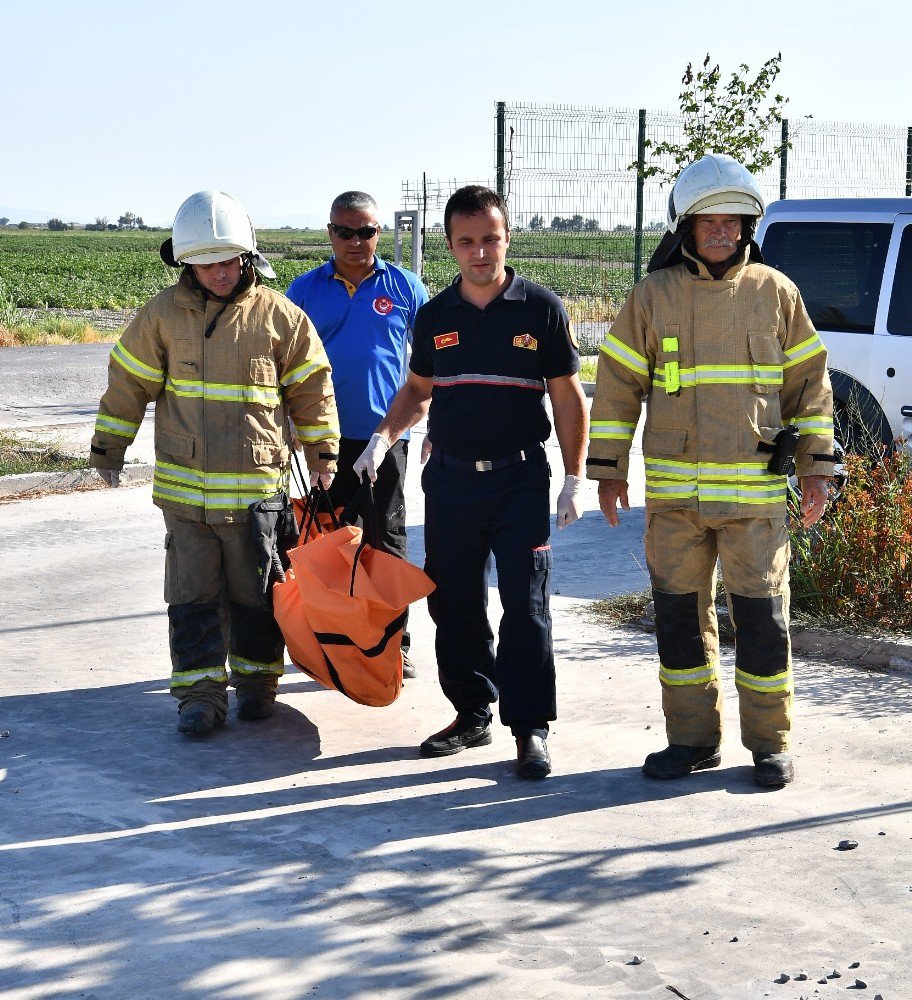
(315, 855)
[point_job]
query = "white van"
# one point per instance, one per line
(851, 258)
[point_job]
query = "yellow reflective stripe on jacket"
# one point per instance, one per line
(814, 425)
(806, 349)
(311, 433)
(746, 483)
(724, 375)
(765, 685)
(625, 355)
(305, 371)
(214, 490)
(696, 675)
(136, 367)
(187, 678)
(114, 425)
(250, 668)
(219, 392)
(617, 430)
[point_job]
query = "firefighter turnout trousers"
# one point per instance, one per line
(470, 515)
(214, 611)
(682, 549)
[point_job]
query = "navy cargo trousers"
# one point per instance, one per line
(470, 516)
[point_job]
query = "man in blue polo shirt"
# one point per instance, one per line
(486, 351)
(364, 310)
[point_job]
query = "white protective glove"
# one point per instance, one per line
(110, 477)
(426, 448)
(570, 502)
(371, 458)
(325, 478)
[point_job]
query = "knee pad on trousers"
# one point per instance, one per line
(761, 634)
(255, 634)
(678, 633)
(196, 635)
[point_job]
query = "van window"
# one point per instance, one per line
(899, 320)
(837, 266)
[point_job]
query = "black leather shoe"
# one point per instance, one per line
(532, 757)
(199, 718)
(773, 770)
(408, 668)
(253, 708)
(677, 761)
(459, 735)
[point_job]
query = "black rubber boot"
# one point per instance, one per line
(198, 718)
(773, 770)
(677, 761)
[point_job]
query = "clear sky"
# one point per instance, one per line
(113, 105)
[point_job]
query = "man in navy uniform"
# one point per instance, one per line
(485, 352)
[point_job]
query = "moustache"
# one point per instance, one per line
(723, 242)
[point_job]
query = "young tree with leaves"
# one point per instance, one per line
(734, 118)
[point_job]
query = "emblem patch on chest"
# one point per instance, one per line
(446, 340)
(382, 305)
(527, 341)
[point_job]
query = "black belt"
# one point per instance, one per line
(485, 464)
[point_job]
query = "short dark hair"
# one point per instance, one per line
(471, 200)
(354, 201)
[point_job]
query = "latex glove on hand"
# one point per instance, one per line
(371, 458)
(325, 479)
(110, 477)
(570, 502)
(426, 448)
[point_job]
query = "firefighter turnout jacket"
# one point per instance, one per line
(723, 364)
(223, 379)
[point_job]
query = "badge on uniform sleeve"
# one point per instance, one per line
(527, 341)
(572, 334)
(382, 305)
(446, 340)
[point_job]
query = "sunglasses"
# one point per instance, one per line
(346, 232)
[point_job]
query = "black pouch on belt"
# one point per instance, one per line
(274, 531)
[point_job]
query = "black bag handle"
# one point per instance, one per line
(317, 496)
(362, 503)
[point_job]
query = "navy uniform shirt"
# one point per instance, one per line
(489, 367)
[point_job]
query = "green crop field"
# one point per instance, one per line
(41, 269)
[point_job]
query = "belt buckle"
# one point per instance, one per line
(484, 466)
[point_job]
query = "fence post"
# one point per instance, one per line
(501, 133)
(641, 180)
(784, 160)
(909, 161)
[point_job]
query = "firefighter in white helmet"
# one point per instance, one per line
(732, 371)
(226, 360)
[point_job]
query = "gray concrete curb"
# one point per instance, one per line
(62, 482)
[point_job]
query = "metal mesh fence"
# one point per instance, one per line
(577, 223)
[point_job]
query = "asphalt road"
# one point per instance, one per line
(50, 386)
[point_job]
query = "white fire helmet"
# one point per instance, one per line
(212, 226)
(715, 185)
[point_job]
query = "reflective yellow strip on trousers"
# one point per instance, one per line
(187, 678)
(778, 683)
(698, 675)
(252, 668)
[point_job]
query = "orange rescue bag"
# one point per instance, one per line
(342, 607)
